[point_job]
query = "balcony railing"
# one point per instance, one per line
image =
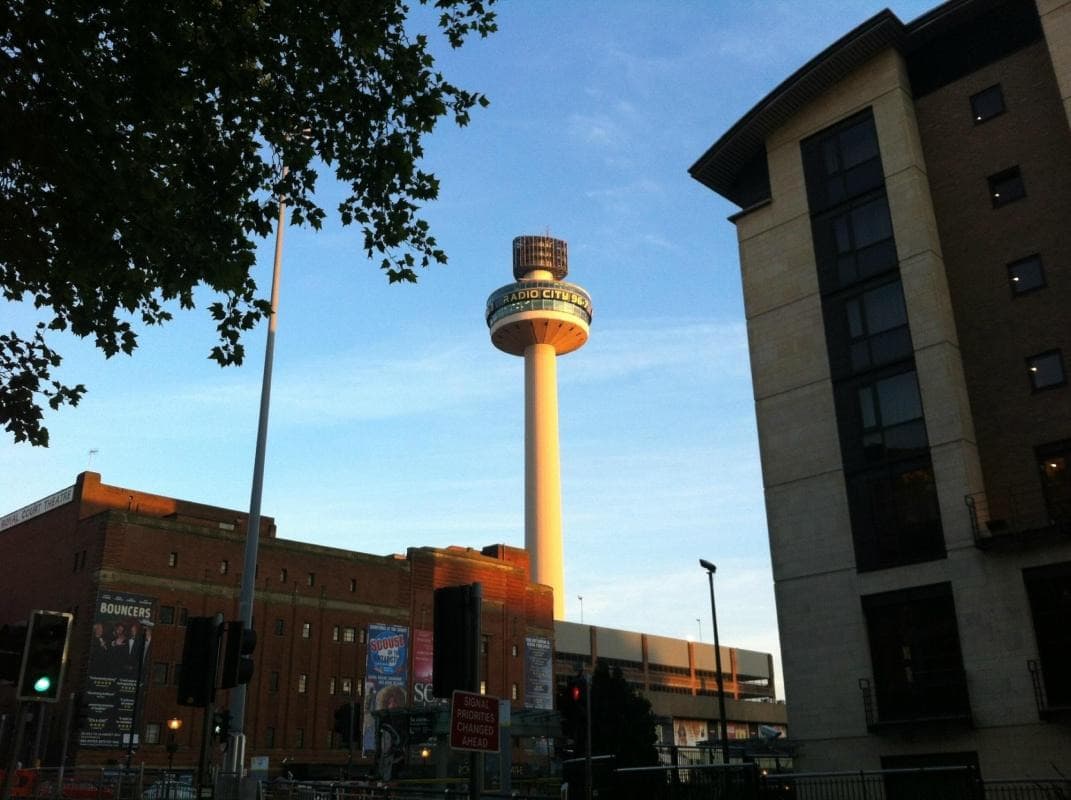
(1015, 517)
(935, 696)
(1047, 708)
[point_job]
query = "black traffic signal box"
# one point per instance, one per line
(200, 656)
(44, 657)
(12, 644)
(237, 654)
(456, 639)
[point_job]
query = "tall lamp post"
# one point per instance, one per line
(236, 749)
(723, 725)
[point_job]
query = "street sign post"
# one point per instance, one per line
(474, 722)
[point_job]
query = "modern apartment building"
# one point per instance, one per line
(905, 247)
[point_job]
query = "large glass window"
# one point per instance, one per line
(854, 243)
(891, 414)
(1049, 590)
(896, 519)
(877, 327)
(884, 447)
(915, 654)
(842, 163)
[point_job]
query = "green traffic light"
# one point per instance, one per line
(42, 684)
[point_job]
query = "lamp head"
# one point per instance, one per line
(707, 566)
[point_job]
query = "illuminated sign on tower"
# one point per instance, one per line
(541, 317)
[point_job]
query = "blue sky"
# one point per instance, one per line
(395, 423)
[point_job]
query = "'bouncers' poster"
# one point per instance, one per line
(122, 634)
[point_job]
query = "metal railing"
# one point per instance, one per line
(666, 782)
(1047, 709)
(934, 696)
(1006, 518)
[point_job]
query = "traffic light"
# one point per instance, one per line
(221, 723)
(578, 693)
(573, 706)
(44, 656)
(200, 654)
(237, 655)
(12, 643)
(348, 723)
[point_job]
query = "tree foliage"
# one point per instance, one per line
(622, 723)
(141, 151)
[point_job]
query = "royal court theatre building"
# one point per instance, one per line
(904, 231)
(333, 627)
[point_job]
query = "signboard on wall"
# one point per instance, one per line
(474, 722)
(423, 661)
(118, 658)
(538, 673)
(386, 676)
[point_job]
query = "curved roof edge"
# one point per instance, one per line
(719, 166)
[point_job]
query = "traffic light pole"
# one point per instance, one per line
(68, 717)
(587, 735)
(16, 746)
(139, 652)
(252, 534)
(206, 737)
(475, 619)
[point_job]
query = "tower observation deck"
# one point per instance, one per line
(540, 317)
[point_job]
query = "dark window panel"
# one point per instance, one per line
(1006, 187)
(1046, 370)
(895, 516)
(842, 163)
(915, 653)
(1026, 275)
(854, 243)
(1049, 590)
(1054, 465)
(987, 104)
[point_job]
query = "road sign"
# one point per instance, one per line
(474, 722)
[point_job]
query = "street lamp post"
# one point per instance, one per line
(173, 725)
(236, 751)
(723, 725)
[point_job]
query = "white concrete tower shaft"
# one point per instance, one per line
(542, 472)
(541, 317)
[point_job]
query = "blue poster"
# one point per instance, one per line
(386, 676)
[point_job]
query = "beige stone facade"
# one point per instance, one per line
(935, 162)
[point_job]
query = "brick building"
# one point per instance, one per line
(313, 612)
(905, 242)
(116, 557)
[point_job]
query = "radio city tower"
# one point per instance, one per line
(541, 317)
